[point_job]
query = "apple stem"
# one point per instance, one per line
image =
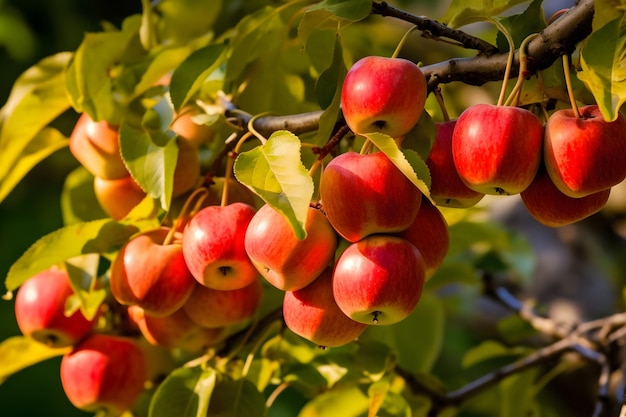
(227, 176)
(396, 52)
(513, 99)
(556, 15)
(367, 147)
(509, 62)
(442, 104)
(375, 315)
(568, 84)
(185, 212)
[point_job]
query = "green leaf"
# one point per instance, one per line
(99, 236)
(407, 161)
(517, 398)
(83, 272)
(421, 137)
(274, 171)
(19, 352)
(189, 76)
(491, 349)
(183, 21)
(353, 10)
(186, 392)
(38, 96)
(464, 12)
(344, 401)
(532, 20)
(603, 72)
(78, 199)
(236, 398)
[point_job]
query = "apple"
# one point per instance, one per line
(118, 196)
(587, 154)
(174, 331)
(429, 234)
(379, 280)
(40, 310)
(104, 373)
(153, 275)
(187, 172)
(285, 261)
(366, 194)
(447, 189)
(385, 95)
(213, 247)
(194, 133)
(212, 308)
(96, 146)
(550, 207)
(312, 313)
(497, 149)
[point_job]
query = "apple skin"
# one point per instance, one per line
(221, 308)
(118, 196)
(213, 246)
(447, 188)
(280, 257)
(587, 154)
(174, 331)
(194, 133)
(367, 194)
(497, 149)
(312, 313)
(150, 274)
(550, 207)
(430, 235)
(96, 146)
(385, 95)
(104, 372)
(379, 280)
(40, 310)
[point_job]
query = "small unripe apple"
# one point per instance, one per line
(118, 196)
(213, 246)
(220, 308)
(286, 262)
(384, 95)
(185, 127)
(104, 373)
(367, 194)
(379, 280)
(153, 275)
(587, 154)
(40, 310)
(312, 313)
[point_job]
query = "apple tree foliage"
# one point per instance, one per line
(272, 71)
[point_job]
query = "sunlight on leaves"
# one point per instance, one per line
(464, 12)
(19, 352)
(186, 392)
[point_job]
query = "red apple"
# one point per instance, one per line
(429, 234)
(174, 331)
(379, 280)
(40, 310)
(104, 373)
(384, 95)
(550, 207)
(213, 246)
(587, 154)
(366, 194)
(312, 313)
(447, 189)
(153, 275)
(96, 146)
(497, 149)
(220, 308)
(118, 196)
(287, 262)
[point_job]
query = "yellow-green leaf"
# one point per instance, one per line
(464, 12)
(19, 352)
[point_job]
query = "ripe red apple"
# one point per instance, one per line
(118, 196)
(312, 313)
(587, 154)
(550, 207)
(429, 234)
(153, 275)
(220, 308)
(40, 310)
(96, 146)
(366, 194)
(497, 149)
(104, 373)
(174, 331)
(285, 261)
(213, 246)
(379, 280)
(447, 189)
(384, 95)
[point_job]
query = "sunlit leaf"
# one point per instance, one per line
(83, 272)
(19, 352)
(344, 401)
(464, 12)
(603, 62)
(353, 10)
(184, 21)
(517, 398)
(521, 25)
(186, 392)
(275, 172)
(78, 199)
(377, 393)
(491, 349)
